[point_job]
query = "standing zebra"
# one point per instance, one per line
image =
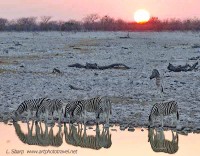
(50, 106)
(163, 109)
(97, 105)
(30, 106)
(155, 74)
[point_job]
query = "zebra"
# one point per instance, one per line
(163, 109)
(97, 105)
(160, 144)
(30, 106)
(70, 107)
(50, 106)
(155, 74)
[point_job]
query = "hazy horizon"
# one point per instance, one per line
(66, 9)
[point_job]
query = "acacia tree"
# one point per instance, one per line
(90, 22)
(44, 22)
(107, 23)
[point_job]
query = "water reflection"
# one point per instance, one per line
(78, 137)
(36, 135)
(159, 143)
(42, 134)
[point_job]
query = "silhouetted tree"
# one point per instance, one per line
(26, 24)
(44, 22)
(90, 22)
(71, 25)
(3, 23)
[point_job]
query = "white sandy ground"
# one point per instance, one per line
(26, 71)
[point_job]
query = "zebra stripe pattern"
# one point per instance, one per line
(97, 105)
(30, 106)
(50, 106)
(70, 107)
(163, 109)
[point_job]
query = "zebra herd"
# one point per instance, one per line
(45, 106)
(98, 105)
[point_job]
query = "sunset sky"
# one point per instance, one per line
(77, 9)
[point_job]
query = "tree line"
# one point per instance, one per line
(94, 22)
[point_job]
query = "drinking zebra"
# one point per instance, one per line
(70, 107)
(50, 106)
(97, 105)
(163, 109)
(30, 106)
(160, 144)
(155, 74)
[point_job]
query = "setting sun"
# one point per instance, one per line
(141, 16)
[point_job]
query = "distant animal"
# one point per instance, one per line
(57, 71)
(155, 74)
(50, 106)
(163, 109)
(30, 106)
(97, 105)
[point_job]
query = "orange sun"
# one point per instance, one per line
(141, 16)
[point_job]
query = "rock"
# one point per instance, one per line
(131, 129)
(179, 127)
(122, 128)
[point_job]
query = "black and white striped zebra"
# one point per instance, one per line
(30, 106)
(70, 107)
(163, 109)
(97, 105)
(159, 143)
(50, 106)
(155, 74)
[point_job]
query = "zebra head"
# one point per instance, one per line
(155, 73)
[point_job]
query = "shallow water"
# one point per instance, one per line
(23, 139)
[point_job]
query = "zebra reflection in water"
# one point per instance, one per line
(36, 135)
(160, 144)
(78, 137)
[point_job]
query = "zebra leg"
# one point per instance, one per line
(97, 118)
(162, 120)
(172, 121)
(84, 117)
(60, 114)
(46, 115)
(28, 116)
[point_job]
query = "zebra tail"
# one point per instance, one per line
(149, 117)
(177, 114)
